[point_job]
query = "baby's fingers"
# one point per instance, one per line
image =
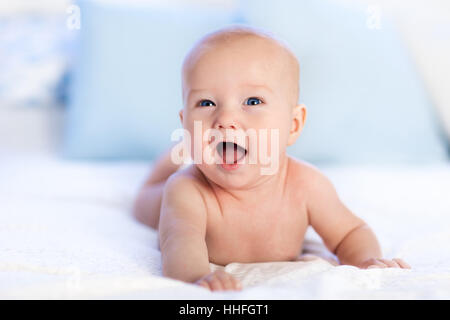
(237, 285)
(402, 263)
(226, 280)
(387, 263)
(215, 284)
(372, 263)
(203, 283)
(219, 280)
(375, 263)
(377, 266)
(232, 283)
(390, 263)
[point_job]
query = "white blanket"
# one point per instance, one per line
(66, 232)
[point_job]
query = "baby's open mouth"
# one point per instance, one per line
(231, 152)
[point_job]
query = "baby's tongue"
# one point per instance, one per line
(232, 153)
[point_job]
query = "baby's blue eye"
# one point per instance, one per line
(253, 101)
(206, 103)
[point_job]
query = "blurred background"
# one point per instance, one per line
(100, 79)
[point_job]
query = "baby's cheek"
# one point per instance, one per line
(200, 148)
(276, 139)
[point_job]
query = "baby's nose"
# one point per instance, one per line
(226, 118)
(227, 125)
(226, 121)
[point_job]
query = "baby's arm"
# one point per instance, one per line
(182, 231)
(344, 234)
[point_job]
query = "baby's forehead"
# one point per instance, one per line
(242, 47)
(239, 37)
(245, 38)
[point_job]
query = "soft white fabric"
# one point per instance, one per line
(66, 232)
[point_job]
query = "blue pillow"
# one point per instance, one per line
(366, 102)
(126, 88)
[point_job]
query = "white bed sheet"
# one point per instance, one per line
(66, 232)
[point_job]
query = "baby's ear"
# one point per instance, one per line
(298, 122)
(181, 116)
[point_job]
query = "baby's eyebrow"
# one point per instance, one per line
(252, 86)
(260, 86)
(197, 90)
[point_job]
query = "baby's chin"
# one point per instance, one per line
(232, 176)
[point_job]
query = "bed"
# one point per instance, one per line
(67, 232)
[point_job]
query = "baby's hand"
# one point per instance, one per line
(219, 280)
(384, 263)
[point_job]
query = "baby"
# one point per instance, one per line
(230, 210)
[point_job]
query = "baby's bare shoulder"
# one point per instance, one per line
(188, 177)
(304, 171)
(182, 201)
(307, 177)
(185, 183)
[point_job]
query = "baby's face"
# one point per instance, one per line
(246, 86)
